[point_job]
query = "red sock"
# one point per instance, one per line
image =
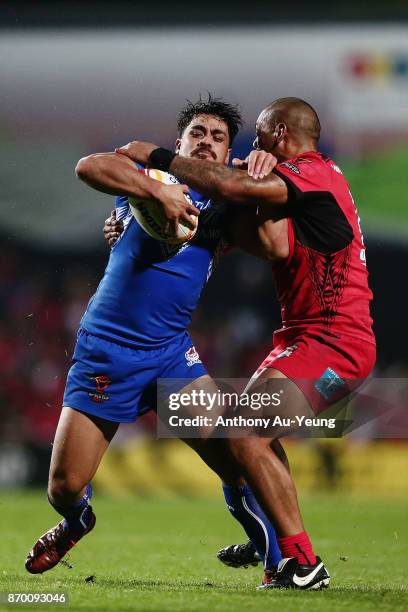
(298, 546)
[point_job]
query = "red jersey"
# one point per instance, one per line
(323, 285)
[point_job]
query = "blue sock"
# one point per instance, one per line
(78, 516)
(245, 509)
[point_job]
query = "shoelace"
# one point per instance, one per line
(66, 562)
(241, 548)
(52, 537)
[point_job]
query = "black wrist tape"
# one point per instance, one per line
(161, 159)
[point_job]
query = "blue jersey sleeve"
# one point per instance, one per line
(122, 206)
(121, 202)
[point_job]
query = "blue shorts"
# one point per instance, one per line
(118, 383)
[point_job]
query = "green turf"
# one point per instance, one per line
(150, 554)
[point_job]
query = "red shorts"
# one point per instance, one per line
(324, 370)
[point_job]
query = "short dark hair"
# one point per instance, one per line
(229, 113)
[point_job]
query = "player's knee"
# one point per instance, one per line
(279, 451)
(63, 488)
(247, 450)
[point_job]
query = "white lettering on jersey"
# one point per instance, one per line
(363, 250)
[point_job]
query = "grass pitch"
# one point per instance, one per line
(159, 555)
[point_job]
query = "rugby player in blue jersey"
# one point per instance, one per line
(134, 331)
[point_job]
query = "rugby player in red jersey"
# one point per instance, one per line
(309, 226)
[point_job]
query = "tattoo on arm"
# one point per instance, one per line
(202, 175)
(218, 181)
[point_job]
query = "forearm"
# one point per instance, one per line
(235, 186)
(208, 178)
(259, 234)
(116, 175)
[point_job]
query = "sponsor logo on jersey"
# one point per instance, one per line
(207, 204)
(192, 356)
(292, 167)
(329, 383)
(335, 168)
(287, 352)
(102, 382)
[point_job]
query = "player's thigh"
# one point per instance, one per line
(285, 417)
(79, 445)
(291, 403)
(214, 452)
(198, 400)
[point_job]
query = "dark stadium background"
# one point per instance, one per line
(53, 253)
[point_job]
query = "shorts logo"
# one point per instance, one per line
(101, 383)
(287, 352)
(192, 356)
(329, 383)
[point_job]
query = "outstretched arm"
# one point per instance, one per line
(216, 180)
(210, 178)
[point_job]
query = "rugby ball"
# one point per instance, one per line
(150, 216)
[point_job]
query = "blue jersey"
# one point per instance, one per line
(150, 289)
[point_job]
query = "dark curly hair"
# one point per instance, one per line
(229, 113)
